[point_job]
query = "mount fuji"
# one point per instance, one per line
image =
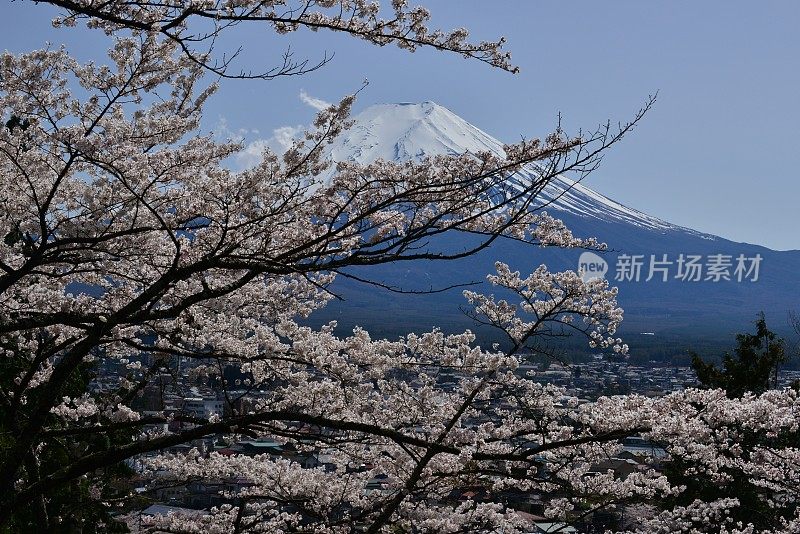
(691, 287)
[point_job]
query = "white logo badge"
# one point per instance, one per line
(591, 266)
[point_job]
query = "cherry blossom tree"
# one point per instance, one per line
(130, 245)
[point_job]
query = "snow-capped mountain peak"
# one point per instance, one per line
(399, 132)
(404, 131)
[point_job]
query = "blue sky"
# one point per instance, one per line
(717, 153)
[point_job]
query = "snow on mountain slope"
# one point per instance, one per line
(399, 132)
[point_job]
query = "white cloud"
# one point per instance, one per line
(280, 141)
(316, 103)
(285, 136)
(223, 131)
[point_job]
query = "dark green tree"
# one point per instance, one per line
(76, 507)
(753, 366)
